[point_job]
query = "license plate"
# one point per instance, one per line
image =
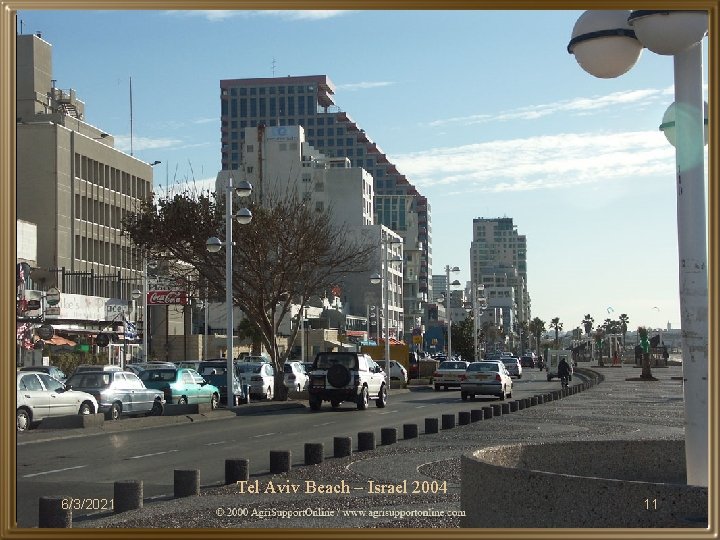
(481, 377)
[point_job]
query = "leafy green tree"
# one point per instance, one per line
(463, 342)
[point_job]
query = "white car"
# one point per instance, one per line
(295, 377)
(486, 377)
(449, 373)
(261, 377)
(41, 396)
(513, 366)
(397, 370)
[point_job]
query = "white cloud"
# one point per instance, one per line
(292, 15)
(363, 85)
(577, 106)
(543, 162)
(122, 142)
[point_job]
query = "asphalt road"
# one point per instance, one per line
(85, 467)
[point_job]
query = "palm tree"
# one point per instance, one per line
(557, 326)
(587, 323)
(537, 327)
(624, 320)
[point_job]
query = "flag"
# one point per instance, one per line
(130, 330)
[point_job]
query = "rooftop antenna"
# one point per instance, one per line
(273, 66)
(131, 119)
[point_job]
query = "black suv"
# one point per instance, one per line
(346, 376)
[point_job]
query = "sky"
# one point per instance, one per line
(485, 112)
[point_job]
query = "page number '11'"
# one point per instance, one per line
(650, 504)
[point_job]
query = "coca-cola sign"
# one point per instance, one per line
(165, 298)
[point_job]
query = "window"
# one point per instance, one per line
(319, 206)
(250, 148)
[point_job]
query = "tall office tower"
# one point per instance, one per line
(73, 184)
(307, 101)
(498, 260)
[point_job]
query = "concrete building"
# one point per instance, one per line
(76, 188)
(498, 261)
(307, 101)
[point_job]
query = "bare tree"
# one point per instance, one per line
(286, 255)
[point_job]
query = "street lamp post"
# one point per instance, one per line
(243, 216)
(377, 279)
(607, 44)
(476, 308)
(449, 269)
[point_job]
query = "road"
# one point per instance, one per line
(86, 467)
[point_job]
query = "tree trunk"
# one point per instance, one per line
(280, 391)
(646, 373)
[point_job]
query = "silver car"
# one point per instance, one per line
(490, 378)
(41, 396)
(261, 378)
(449, 374)
(513, 366)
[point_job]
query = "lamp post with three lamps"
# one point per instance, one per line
(607, 44)
(377, 279)
(213, 244)
(479, 306)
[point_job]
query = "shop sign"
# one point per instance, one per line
(155, 298)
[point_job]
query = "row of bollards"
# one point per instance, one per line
(56, 512)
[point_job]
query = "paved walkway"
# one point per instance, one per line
(616, 408)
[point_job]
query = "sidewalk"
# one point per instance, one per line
(613, 409)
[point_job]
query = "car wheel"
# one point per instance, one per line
(549, 378)
(334, 404)
(382, 397)
(363, 398)
(23, 419)
(463, 396)
(437, 387)
(315, 403)
(157, 408)
(114, 412)
(214, 401)
(86, 408)
(269, 393)
(182, 400)
(298, 389)
(519, 376)
(445, 388)
(502, 395)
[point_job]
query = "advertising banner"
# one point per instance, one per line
(164, 298)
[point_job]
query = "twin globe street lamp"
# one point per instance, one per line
(213, 244)
(607, 44)
(455, 283)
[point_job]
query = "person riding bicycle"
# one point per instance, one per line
(564, 371)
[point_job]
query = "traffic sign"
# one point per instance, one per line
(52, 296)
(45, 332)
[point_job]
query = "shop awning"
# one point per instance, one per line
(59, 340)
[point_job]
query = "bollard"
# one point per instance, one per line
(540, 398)
(237, 470)
(448, 421)
(523, 403)
(186, 482)
(513, 406)
(497, 409)
(366, 441)
(488, 412)
(314, 453)
(342, 446)
(533, 401)
(127, 495)
(464, 418)
(505, 408)
(431, 425)
(476, 415)
(410, 431)
(52, 515)
(388, 435)
(280, 461)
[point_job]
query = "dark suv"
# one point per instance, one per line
(346, 376)
(527, 360)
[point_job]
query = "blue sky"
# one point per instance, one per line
(484, 111)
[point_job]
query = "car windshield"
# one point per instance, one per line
(89, 380)
(484, 366)
(156, 375)
(509, 360)
(324, 361)
(453, 365)
(249, 368)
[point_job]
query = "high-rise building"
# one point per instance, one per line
(498, 260)
(307, 101)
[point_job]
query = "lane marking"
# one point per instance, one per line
(325, 424)
(154, 454)
(420, 406)
(214, 443)
(54, 471)
(263, 435)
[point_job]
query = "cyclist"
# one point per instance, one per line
(563, 372)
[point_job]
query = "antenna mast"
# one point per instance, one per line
(131, 119)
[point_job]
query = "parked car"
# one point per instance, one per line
(118, 393)
(139, 367)
(195, 364)
(527, 360)
(295, 377)
(414, 365)
(513, 366)
(448, 374)
(215, 373)
(41, 396)
(181, 385)
(486, 378)
(54, 372)
(96, 367)
(346, 376)
(262, 378)
(397, 370)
